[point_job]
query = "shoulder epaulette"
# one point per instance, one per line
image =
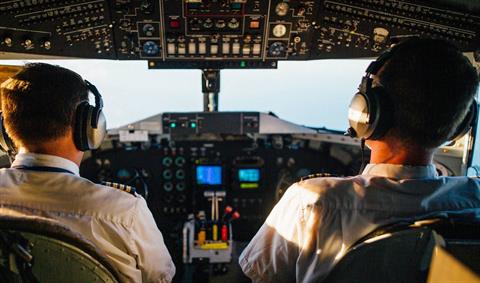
(317, 175)
(125, 188)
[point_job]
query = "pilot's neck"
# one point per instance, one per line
(63, 147)
(395, 153)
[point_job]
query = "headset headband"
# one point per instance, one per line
(98, 101)
(376, 65)
(373, 69)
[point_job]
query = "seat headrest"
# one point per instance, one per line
(51, 228)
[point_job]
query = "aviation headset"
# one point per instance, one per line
(89, 125)
(370, 113)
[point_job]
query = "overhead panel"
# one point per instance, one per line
(228, 33)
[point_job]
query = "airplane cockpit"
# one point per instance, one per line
(211, 177)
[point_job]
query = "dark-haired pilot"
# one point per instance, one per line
(428, 88)
(42, 111)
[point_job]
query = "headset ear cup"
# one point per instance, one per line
(90, 124)
(81, 121)
(95, 132)
(359, 116)
(370, 114)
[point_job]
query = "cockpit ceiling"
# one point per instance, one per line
(229, 33)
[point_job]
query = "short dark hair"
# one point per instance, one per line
(39, 102)
(431, 85)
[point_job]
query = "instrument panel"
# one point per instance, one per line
(187, 158)
(216, 34)
(71, 28)
(253, 173)
(173, 174)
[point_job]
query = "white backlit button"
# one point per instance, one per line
(226, 48)
(257, 48)
(181, 48)
(171, 48)
(213, 49)
(202, 48)
(246, 49)
(192, 48)
(236, 48)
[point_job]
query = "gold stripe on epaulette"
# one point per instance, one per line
(122, 187)
(317, 175)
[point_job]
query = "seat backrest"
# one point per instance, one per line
(402, 252)
(35, 249)
(402, 256)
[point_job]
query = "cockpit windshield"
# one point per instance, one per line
(310, 93)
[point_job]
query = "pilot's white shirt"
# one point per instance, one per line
(316, 220)
(117, 222)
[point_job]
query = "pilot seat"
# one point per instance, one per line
(36, 249)
(434, 250)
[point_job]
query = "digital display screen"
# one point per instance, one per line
(209, 175)
(249, 175)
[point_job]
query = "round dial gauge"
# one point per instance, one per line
(277, 49)
(150, 48)
(282, 9)
(148, 29)
(279, 30)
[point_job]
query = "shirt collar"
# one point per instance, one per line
(37, 159)
(395, 171)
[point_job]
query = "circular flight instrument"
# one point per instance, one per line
(277, 49)
(168, 186)
(208, 23)
(282, 9)
(150, 48)
(148, 29)
(279, 30)
(233, 23)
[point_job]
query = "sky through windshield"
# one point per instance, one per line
(312, 93)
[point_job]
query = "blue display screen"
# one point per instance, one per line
(249, 175)
(209, 175)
